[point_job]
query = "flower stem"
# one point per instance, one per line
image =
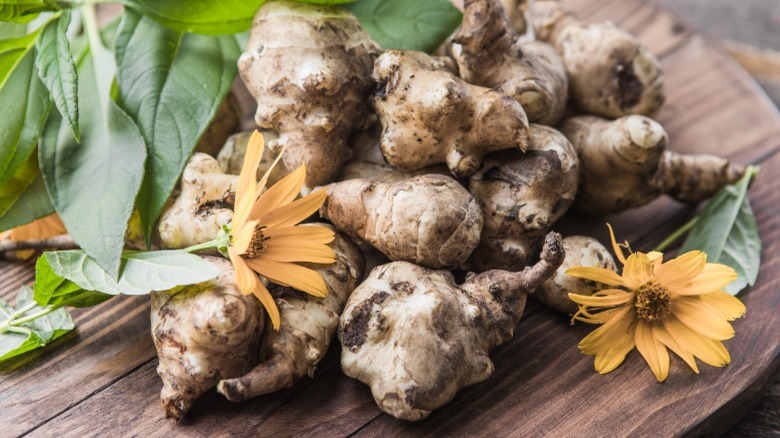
(211, 244)
(677, 234)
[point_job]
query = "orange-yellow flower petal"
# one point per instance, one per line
(711, 352)
(252, 157)
(602, 339)
(599, 275)
(702, 318)
(248, 283)
(281, 193)
(298, 277)
(292, 250)
(243, 236)
(615, 247)
(730, 307)
(663, 336)
(681, 269)
(616, 298)
(312, 233)
(713, 277)
(638, 270)
(654, 352)
(293, 212)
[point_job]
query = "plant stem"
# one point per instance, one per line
(20, 330)
(57, 242)
(211, 244)
(677, 234)
(34, 316)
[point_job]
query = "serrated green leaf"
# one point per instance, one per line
(142, 272)
(25, 107)
(34, 334)
(22, 11)
(53, 290)
(171, 105)
(407, 24)
(93, 184)
(57, 69)
(200, 16)
(726, 230)
(32, 203)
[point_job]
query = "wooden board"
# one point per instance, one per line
(102, 381)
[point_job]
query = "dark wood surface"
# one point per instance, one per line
(102, 381)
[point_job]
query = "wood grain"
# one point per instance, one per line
(103, 381)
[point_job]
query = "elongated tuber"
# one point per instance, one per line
(367, 161)
(430, 116)
(490, 53)
(430, 220)
(203, 333)
(580, 251)
(521, 196)
(308, 325)
(416, 338)
(611, 74)
(202, 206)
(624, 164)
(309, 67)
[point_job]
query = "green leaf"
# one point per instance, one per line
(726, 230)
(407, 24)
(57, 69)
(11, 50)
(31, 335)
(93, 184)
(171, 105)
(12, 30)
(142, 273)
(12, 189)
(22, 11)
(200, 16)
(32, 203)
(25, 108)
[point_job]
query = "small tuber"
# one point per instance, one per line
(521, 196)
(580, 251)
(491, 54)
(430, 220)
(308, 326)
(624, 164)
(308, 67)
(416, 338)
(429, 115)
(203, 333)
(611, 74)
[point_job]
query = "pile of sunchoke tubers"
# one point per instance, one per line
(461, 162)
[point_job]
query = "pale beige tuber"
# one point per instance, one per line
(226, 121)
(490, 53)
(624, 164)
(309, 67)
(203, 204)
(522, 196)
(580, 251)
(367, 161)
(307, 328)
(430, 116)
(430, 220)
(611, 74)
(416, 338)
(203, 333)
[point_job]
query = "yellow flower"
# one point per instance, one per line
(653, 305)
(43, 228)
(265, 237)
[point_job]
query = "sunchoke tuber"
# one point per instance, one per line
(429, 115)
(580, 251)
(416, 338)
(611, 74)
(521, 196)
(226, 122)
(203, 333)
(203, 205)
(308, 325)
(309, 67)
(231, 157)
(624, 164)
(491, 54)
(430, 220)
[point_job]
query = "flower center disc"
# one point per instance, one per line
(652, 301)
(256, 245)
